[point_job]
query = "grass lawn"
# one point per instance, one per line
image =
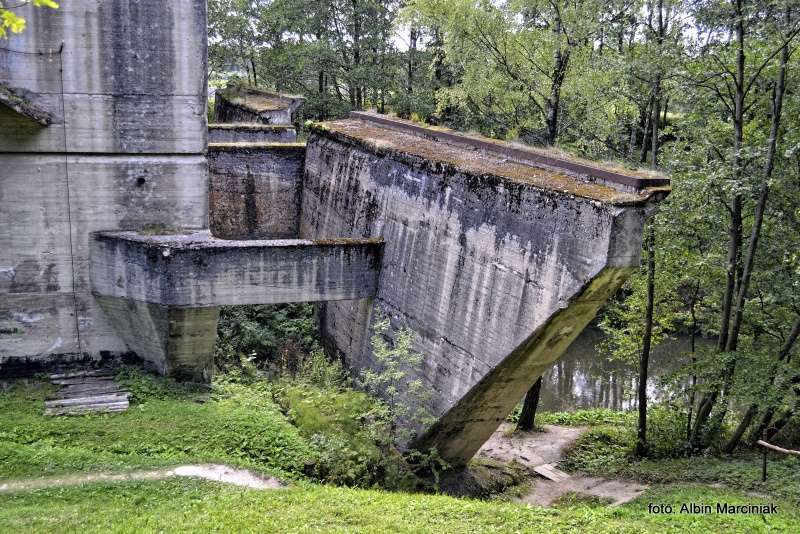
(188, 505)
(290, 429)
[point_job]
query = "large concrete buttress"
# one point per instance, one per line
(496, 256)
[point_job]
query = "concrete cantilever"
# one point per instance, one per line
(162, 292)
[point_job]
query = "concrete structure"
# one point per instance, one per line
(241, 104)
(255, 189)
(250, 133)
(124, 86)
(496, 255)
(162, 292)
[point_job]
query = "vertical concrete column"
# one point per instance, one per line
(190, 345)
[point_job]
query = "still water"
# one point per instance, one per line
(586, 378)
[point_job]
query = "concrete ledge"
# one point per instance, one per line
(636, 179)
(195, 270)
(250, 132)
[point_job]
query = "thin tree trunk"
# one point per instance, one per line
(769, 165)
(734, 243)
(641, 440)
(786, 350)
(527, 417)
(560, 61)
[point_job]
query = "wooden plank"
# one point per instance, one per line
(77, 374)
(78, 380)
(86, 408)
(95, 399)
(86, 391)
(550, 472)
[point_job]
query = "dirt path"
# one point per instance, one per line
(215, 472)
(536, 448)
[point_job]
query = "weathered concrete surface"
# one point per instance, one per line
(124, 149)
(496, 264)
(251, 104)
(162, 293)
(238, 132)
(255, 189)
(175, 341)
(44, 240)
(133, 77)
(196, 270)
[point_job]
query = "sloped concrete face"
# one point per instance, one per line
(174, 341)
(496, 265)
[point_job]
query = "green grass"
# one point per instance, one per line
(240, 425)
(300, 431)
(189, 505)
(605, 450)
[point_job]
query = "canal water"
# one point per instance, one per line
(586, 378)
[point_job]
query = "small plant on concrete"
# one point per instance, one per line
(406, 399)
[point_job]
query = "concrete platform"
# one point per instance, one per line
(194, 269)
(162, 293)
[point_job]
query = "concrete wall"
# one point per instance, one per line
(125, 149)
(480, 253)
(255, 189)
(250, 133)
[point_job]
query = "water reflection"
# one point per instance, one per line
(585, 378)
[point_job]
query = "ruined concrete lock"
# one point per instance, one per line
(124, 229)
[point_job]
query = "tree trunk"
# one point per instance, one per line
(528, 415)
(641, 440)
(769, 165)
(786, 350)
(733, 442)
(560, 61)
(724, 341)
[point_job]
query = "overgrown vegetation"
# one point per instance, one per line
(606, 449)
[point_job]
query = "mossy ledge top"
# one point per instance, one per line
(475, 155)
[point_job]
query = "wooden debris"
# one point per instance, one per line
(550, 472)
(86, 392)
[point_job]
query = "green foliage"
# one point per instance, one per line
(605, 450)
(14, 23)
(590, 417)
(273, 338)
(406, 399)
(240, 425)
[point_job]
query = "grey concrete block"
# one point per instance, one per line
(239, 132)
(195, 270)
(255, 189)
